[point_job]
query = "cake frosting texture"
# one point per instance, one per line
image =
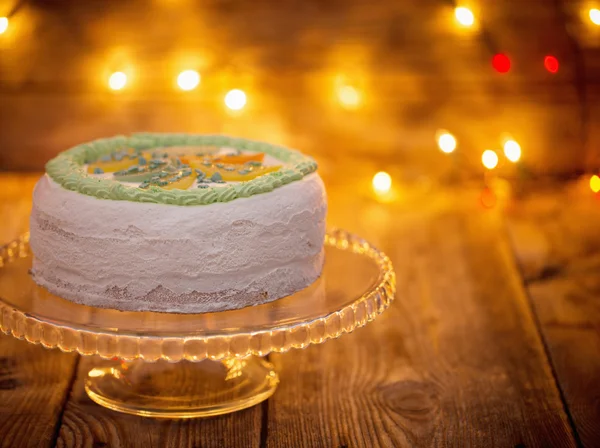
(133, 255)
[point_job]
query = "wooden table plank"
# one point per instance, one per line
(456, 361)
(87, 424)
(568, 308)
(557, 242)
(34, 383)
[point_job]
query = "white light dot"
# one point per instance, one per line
(3, 24)
(464, 16)
(446, 142)
(188, 80)
(349, 96)
(382, 182)
(489, 159)
(235, 99)
(512, 150)
(595, 16)
(117, 80)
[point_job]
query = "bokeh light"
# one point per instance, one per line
(595, 183)
(348, 96)
(188, 80)
(3, 24)
(488, 198)
(512, 150)
(235, 99)
(551, 64)
(595, 16)
(117, 80)
(489, 159)
(446, 142)
(382, 182)
(501, 63)
(464, 16)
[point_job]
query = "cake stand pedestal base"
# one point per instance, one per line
(181, 390)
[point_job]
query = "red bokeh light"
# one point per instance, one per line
(501, 63)
(488, 198)
(551, 64)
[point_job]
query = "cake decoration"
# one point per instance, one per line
(106, 168)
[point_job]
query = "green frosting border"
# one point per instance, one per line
(67, 170)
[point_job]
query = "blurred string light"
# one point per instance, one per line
(446, 142)
(551, 64)
(188, 80)
(117, 80)
(3, 24)
(348, 96)
(512, 150)
(464, 16)
(595, 16)
(489, 159)
(235, 99)
(382, 182)
(595, 183)
(501, 63)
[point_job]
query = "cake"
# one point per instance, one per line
(177, 223)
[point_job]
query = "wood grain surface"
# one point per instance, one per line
(568, 307)
(455, 361)
(556, 240)
(86, 424)
(34, 384)
(460, 359)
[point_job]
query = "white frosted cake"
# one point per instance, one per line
(177, 223)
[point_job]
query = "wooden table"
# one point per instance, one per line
(493, 340)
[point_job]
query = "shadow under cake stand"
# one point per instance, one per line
(195, 365)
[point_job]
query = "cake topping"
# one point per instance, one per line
(155, 163)
(219, 168)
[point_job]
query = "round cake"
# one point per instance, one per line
(177, 223)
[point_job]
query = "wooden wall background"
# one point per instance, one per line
(417, 72)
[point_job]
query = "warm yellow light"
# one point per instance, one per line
(349, 96)
(382, 182)
(3, 24)
(188, 80)
(595, 183)
(464, 16)
(96, 373)
(512, 150)
(489, 159)
(235, 99)
(595, 16)
(117, 80)
(446, 142)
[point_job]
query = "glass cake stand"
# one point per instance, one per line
(195, 365)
